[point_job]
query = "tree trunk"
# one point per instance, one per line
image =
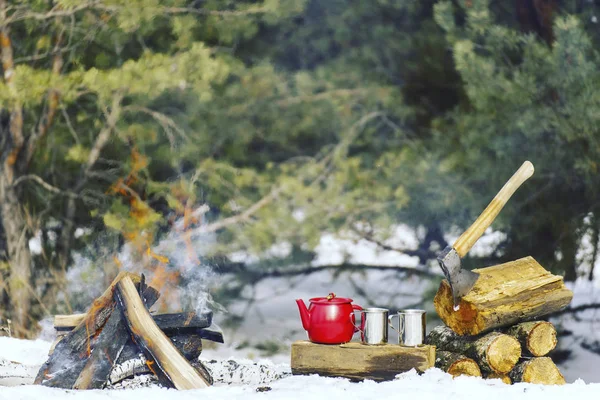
(19, 257)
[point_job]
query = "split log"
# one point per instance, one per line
(181, 322)
(70, 354)
(503, 377)
(503, 295)
(171, 368)
(456, 364)
(537, 370)
(108, 345)
(537, 338)
(494, 352)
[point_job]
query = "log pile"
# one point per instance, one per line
(496, 325)
(118, 338)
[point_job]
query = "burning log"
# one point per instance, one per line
(537, 370)
(494, 352)
(537, 338)
(182, 322)
(503, 295)
(456, 364)
(70, 354)
(108, 345)
(164, 360)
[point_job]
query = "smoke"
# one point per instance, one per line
(175, 266)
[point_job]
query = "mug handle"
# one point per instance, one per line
(391, 324)
(355, 308)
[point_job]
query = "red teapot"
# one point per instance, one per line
(328, 320)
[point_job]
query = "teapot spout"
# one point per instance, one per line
(304, 314)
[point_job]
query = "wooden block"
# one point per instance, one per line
(358, 361)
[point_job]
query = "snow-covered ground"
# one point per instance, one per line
(433, 384)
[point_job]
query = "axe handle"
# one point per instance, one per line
(464, 243)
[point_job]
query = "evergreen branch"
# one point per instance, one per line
(57, 11)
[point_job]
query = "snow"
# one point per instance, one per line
(433, 384)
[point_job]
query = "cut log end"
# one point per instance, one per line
(456, 364)
(504, 378)
(542, 339)
(503, 353)
(540, 370)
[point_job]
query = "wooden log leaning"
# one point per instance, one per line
(537, 338)
(540, 370)
(107, 347)
(503, 295)
(456, 364)
(70, 354)
(357, 361)
(165, 361)
(494, 352)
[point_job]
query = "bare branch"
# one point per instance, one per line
(102, 138)
(42, 183)
(167, 123)
(256, 274)
(56, 12)
(52, 106)
(239, 218)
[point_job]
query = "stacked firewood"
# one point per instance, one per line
(514, 354)
(496, 330)
(118, 338)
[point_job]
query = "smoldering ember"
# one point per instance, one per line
(299, 199)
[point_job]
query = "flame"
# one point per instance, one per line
(139, 232)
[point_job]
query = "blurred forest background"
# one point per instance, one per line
(233, 136)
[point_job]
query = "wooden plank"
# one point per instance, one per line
(70, 354)
(503, 295)
(357, 361)
(168, 364)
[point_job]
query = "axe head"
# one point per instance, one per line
(461, 280)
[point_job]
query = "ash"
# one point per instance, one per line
(224, 373)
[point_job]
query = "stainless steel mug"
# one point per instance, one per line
(373, 325)
(411, 327)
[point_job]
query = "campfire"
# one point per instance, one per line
(118, 338)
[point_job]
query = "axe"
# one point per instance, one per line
(462, 280)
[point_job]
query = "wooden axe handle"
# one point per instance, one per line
(464, 243)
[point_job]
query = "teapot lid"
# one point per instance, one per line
(331, 298)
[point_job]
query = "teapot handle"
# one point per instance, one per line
(355, 308)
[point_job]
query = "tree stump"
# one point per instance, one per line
(456, 364)
(494, 352)
(537, 370)
(503, 295)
